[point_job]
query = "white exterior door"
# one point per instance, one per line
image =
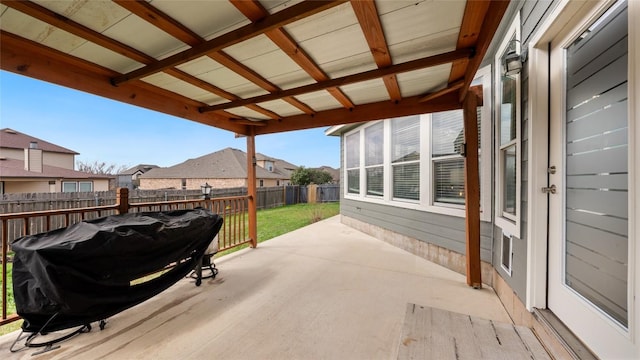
(590, 282)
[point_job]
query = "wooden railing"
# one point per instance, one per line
(233, 233)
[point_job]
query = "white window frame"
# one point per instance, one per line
(80, 183)
(426, 173)
(432, 165)
(509, 223)
(363, 159)
(390, 165)
(75, 183)
(359, 135)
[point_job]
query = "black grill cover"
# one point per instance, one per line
(83, 273)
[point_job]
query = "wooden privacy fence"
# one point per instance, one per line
(233, 210)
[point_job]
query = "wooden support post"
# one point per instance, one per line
(122, 200)
(472, 191)
(251, 187)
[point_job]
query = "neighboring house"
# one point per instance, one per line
(129, 178)
(335, 173)
(276, 166)
(32, 165)
(557, 165)
(226, 168)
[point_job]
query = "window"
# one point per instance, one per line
(507, 252)
(405, 157)
(415, 162)
(77, 186)
(69, 186)
(447, 138)
(374, 156)
(508, 137)
(85, 186)
(353, 163)
(184, 184)
(261, 183)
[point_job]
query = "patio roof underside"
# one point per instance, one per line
(256, 67)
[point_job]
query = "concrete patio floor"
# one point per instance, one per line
(325, 291)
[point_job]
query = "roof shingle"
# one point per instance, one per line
(12, 139)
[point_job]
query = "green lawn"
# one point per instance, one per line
(11, 304)
(271, 223)
(281, 220)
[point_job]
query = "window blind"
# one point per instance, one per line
(449, 181)
(374, 144)
(405, 139)
(353, 150)
(406, 181)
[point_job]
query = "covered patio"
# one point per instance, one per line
(261, 67)
(325, 291)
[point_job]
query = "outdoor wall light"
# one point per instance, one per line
(206, 190)
(512, 62)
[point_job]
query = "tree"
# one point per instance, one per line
(305, 176)
(320, 177)
(99, 167)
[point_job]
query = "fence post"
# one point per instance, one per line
(312, 190)
(122, 200)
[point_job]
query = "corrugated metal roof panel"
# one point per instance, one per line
(281, 107)
(332, 33)
(319, 100)
(367, 91)
(421, 82)
(210, 21)
(170, 83)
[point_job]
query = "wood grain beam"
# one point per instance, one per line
(367, 15)
(248, 122)
(492, 20)
(351, 79)
(472, 191)
(452, 87)
(279, 19)
(252, 190)
(145, 11)
(367, 112)
(25, 57)
(45, 15)
(174, 28)
(474, 14)
(255, 12)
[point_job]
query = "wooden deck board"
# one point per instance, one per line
(431, 333)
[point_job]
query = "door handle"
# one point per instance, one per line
(549, 190)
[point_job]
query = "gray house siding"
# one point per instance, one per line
(532, 15)
(437, 229)
(441, 230)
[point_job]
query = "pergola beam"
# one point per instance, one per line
(367, 15)
(255, 12)
(279, 19)
(494, 13)
(350, 79)
(25, 57)
(451, 88)
(361, 113)
(162, 21)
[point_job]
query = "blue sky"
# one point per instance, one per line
(116, 133)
